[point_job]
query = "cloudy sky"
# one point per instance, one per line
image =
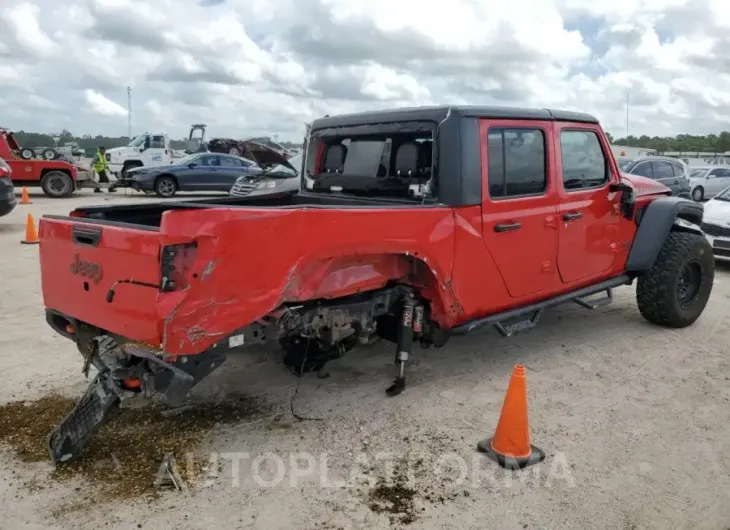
(267, 66)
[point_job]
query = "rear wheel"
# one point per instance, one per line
(165, 187)
(675, 291)
(698, 194)
(233, 150)
(57, 184)
(26, 153)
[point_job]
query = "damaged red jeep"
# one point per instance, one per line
(411, 225)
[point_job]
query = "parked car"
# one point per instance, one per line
(708, 181)
(716, 223)
(7, 190)
(671, 172)
(278, 179)
(196, 172)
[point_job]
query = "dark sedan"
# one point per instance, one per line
(7, 191)
(196, 172)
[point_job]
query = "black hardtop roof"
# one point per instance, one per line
(440, 113)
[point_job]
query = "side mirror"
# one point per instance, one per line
(191, 165)
(628, 198)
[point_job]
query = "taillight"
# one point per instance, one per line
(175, 264)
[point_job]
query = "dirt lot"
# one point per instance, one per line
(635, 421)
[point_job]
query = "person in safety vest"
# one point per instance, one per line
(101, 167)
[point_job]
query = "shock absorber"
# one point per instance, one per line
(405, 342)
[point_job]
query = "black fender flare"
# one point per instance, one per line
(660, 217)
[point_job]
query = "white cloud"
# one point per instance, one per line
(250, 67)
(102, 105)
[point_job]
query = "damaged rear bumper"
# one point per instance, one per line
(129, 373)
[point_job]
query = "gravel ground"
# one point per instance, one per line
(635, 421)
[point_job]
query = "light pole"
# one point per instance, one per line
(129, 112)
(627, 114)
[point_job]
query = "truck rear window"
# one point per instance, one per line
(393, 165)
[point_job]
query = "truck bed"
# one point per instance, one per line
(149, 215)
(186, 278)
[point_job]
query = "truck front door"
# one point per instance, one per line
(157, 153)
(588, 214)
(519, 206)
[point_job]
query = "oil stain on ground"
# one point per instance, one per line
(124, 457)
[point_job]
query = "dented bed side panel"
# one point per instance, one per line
(250, 261)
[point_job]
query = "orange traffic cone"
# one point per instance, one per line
(24, 199)
(510, 447)
(31, 236)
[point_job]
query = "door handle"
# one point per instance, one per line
(508, 227)
(572, 216)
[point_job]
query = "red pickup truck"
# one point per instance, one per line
(411, 225)
(57, 178)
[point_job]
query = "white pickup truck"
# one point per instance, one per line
(145, 150)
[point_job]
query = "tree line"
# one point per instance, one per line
(685, 143)
(89, 143)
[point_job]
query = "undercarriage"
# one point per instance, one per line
(311, 335)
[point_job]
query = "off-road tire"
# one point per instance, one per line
(165, 186)
(698, 194)
(662, 293)
(57, 184)
(26, 153)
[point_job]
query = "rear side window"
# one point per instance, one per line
(662, 170)
(516, 162)
(643, 169)
(584, 165)
(678, 170)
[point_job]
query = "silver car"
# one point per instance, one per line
(708, 181)
(716, 223)
(276, 180)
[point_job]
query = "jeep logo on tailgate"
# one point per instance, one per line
(88, 269)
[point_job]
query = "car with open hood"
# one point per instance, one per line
(278, 179)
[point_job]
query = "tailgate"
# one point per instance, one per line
(81, 260)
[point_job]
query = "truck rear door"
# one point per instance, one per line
(519, 203)
(83, 260)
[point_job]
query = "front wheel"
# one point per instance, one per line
(165, 187)
(26, 153)
(234, 151)
(675, 291)
(698, 194)
(57, 184)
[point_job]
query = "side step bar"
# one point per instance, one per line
(514, 320)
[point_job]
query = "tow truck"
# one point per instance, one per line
(57, 178)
